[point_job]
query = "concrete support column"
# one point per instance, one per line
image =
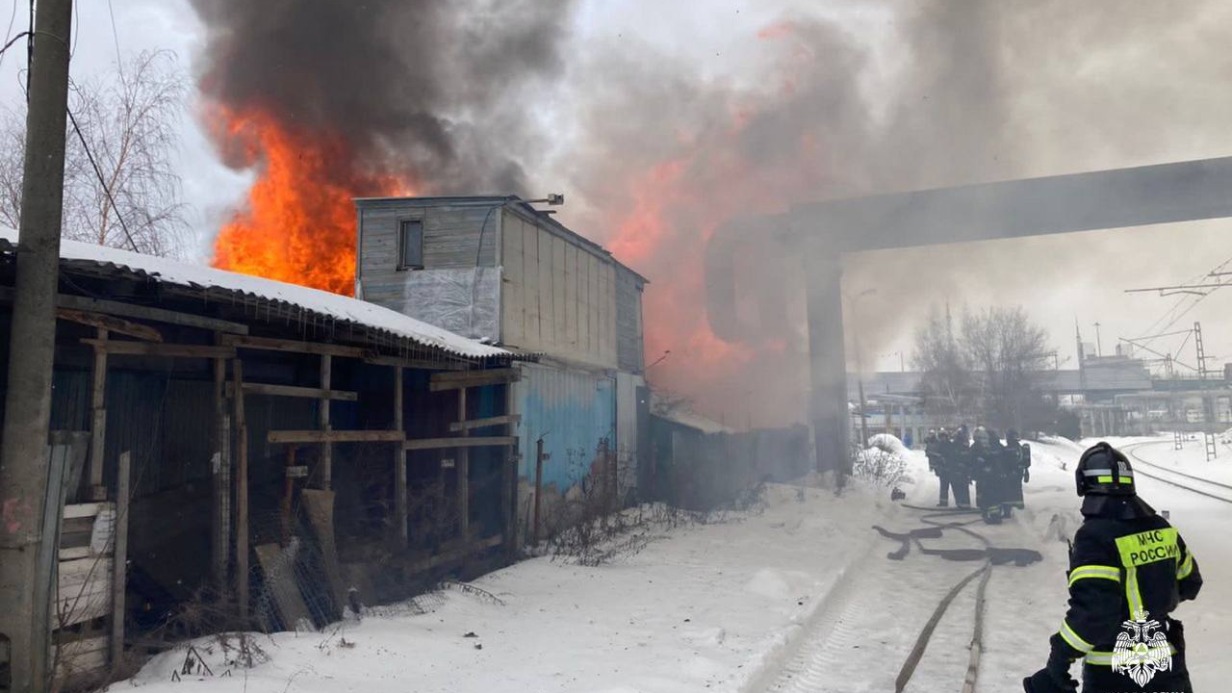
(828, 363)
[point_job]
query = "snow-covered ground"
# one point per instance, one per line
(799, 597)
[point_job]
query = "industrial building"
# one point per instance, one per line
(496, 269)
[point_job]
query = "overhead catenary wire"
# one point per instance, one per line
(9, 39)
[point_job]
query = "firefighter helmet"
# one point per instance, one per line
(1104, 470)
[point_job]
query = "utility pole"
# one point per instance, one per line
(23, 466)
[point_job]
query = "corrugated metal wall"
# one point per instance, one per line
(572, 410)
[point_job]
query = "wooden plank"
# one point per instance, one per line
(319, 505)
(327, 449)
(119, 576)
(399, 454)
(82, 603)
(74, 552)
(130, 310)
(465, 378)
(444, 443)
(241, 491)
(81, 661)
(108, 322)
(278, 569)
(75, 573)
(220, 521)
(454, 381)
(78, 510)
(284, 437)
(464, 474)
(420, 364)
(292, 346)
(189, 351)
(294, 391)
(98, 426)
(485, 423)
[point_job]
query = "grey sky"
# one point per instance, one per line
(1148, 91)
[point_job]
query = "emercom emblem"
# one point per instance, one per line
(1141, 649)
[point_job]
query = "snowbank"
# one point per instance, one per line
(703, 607)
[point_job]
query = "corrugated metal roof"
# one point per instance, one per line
(323, 304)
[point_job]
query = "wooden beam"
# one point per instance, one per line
(119, 563)
(471, 425)
(464, 474)
(444, 443)
(419, 364)
(130, 310)
(305, 437)
(220, 538)
(327, 449)
(454, 381)
(241, 492)
(107, 322)
(98, 425)
(188, 351)
(293, 391)
(400, 509)
(292, 346)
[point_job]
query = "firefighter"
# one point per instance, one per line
(1015, 466)
(1129, 568)
(984, 465)
(937, 449)
(958, 465)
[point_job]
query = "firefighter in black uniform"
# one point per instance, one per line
(1129, 568)
(1015, 468)
(958, 465)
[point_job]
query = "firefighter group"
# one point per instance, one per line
(998, 469)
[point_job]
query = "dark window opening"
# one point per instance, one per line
(410, 241)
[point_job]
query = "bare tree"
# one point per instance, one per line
(947, 383)
(1007, 351)
(121, 186)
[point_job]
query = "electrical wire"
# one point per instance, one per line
(102, 181)
(8, 33)
(115, 38)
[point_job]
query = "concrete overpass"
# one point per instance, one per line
(822, 233)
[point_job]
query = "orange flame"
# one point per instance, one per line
(299, 223)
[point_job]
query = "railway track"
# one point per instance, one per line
(1189, 482)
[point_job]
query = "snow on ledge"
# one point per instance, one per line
(341, 308)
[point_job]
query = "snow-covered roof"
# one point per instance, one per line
(339, 308)
(684, 417)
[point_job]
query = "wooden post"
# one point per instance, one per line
(119, 560)
(98, 427)
(400, 510)
(327, 449)
(241, 492)
(221, 462)
(539, 457)
(463, 463)
(509, 479)
(288, 494)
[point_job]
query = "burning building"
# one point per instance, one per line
(499, 270)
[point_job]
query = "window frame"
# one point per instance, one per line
(402, 264)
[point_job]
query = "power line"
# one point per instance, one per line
(102, 181)
(8, 32)
(115, 38)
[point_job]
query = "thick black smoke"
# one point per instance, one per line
(434, 89)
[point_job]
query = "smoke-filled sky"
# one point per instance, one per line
(661, 120)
